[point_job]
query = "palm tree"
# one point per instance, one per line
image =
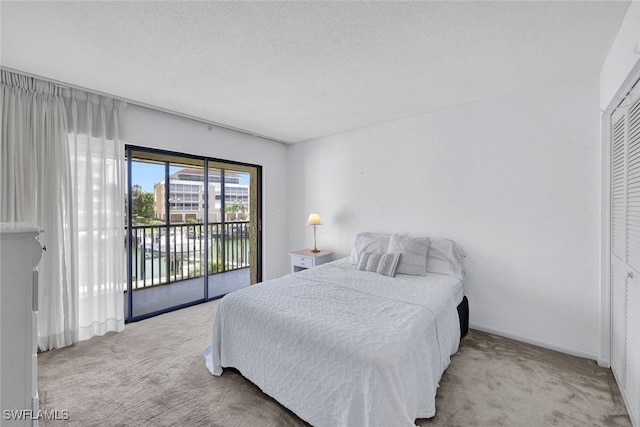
(136, 192)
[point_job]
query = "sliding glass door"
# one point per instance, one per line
(193, 227)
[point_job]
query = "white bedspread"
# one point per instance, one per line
(339, 346)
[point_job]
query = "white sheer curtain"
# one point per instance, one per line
(35, 187)
(97, 164)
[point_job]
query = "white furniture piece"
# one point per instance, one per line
(306, 258)
(20, 253)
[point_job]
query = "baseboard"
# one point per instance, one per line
(605, 363)
(561, 349)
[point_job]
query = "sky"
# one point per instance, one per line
(147, 174)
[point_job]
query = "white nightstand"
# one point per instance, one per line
(304, 258)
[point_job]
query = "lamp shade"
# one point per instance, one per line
(314, 219)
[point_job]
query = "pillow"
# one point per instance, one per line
(445, 257)
(369, 242)
(413, 253)
(369, 261)
(385, 264)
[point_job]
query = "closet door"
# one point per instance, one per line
(625, 249)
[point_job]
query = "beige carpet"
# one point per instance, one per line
(153, 374)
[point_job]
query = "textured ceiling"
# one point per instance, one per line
(294, 71)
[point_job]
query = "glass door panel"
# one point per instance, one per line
(147, 268)
(232, 204)
(168, 239)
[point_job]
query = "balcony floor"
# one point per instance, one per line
(161, 297)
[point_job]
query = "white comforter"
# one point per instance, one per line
(339, 346)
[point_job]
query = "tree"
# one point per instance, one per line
(236, 210)
(142, 203)
(136, 190)
(146, 208)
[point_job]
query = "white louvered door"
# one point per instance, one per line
(633, 256)
(625, 250)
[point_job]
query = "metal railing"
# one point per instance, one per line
(164, 254)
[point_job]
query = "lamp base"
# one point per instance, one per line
(315, 241)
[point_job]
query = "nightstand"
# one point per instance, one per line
(304, 258)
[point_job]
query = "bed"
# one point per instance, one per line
(344, 345)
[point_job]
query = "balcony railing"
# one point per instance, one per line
(164, 254)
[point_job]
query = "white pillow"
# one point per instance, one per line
(369, 242)
(445, 257)
(413, 254)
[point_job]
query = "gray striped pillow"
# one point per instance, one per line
(413, 250)
(385, 264)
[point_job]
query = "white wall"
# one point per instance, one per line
(514, 179)
(623, 56)
(150, 128)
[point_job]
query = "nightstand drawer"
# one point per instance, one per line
(301, 261)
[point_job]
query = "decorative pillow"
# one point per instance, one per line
(413, 253)
(369, 242)
(385, 264)
(388, 264)
(369, 261)
(445, 257)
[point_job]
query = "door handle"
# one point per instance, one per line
(629, 274)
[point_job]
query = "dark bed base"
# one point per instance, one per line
(463, 314)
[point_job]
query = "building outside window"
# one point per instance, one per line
(186, 197)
